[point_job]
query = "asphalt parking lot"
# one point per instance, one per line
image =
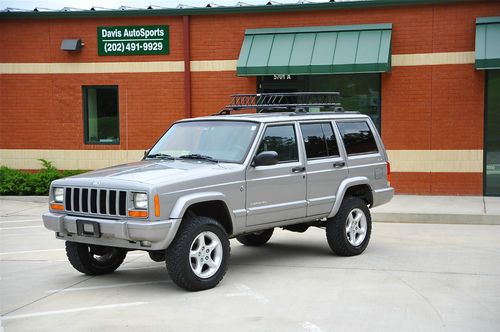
(412, 277)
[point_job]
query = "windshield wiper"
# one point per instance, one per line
(160, 156)
(198, 157)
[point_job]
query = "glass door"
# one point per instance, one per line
(492, 134)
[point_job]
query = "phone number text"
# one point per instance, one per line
(124, 47)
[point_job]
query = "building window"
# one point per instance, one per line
(492, 134)
(101, 120)
(358, 92)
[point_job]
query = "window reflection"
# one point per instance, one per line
(282, 140)
(319, 140)
(357, 137)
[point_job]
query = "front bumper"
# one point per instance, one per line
(131, 234)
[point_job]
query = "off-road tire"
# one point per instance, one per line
(336, 228)
(177, 256)
(257, 238)
(94, 260)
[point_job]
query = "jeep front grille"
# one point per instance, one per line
(96, 201)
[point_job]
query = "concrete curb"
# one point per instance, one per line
(27, 199)
(433, 218)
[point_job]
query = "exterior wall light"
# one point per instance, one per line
(72, 44)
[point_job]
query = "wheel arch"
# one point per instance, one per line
(358, 186)
(209, 204)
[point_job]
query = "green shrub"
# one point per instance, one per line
(16, 182)
(13, 182)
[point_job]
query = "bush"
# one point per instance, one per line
(16, 182)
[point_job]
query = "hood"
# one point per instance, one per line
(154, 172)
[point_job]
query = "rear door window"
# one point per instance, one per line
(319, 140)
(357, 137)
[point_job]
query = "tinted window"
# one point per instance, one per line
(101, 115)
(282, 140)
(357, 137)
(492, 134)
(319, 140)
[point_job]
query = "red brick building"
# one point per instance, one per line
(432, 87)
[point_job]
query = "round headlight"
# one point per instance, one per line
(140, 201)
(58, 195)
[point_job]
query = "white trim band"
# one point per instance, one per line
(397, 60)
(433, 59)
(92, 67)
(436, 161)
(452, 161)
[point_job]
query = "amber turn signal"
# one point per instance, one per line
(157, 205)
(138, 214)
(54, 206)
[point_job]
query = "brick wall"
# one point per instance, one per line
(423, 107)
(39, 40)
(32, 107)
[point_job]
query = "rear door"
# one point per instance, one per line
(365, 153)
(326, 166)
(277, 192)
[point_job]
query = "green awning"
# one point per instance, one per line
(316, 50)
(488, 42)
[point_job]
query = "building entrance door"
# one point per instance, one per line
(492, 134)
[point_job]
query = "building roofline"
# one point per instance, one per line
(221, 10)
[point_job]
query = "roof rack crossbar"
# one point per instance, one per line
(280, 101)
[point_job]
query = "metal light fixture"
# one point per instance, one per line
(72, 44)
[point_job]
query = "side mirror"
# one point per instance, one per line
(146, 152)
(265, 158)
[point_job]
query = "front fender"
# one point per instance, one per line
(184, 202)
(344, 185)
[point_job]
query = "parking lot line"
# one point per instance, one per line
(17, 221)
(244, 290)
(20, 227)
(64, 311)
(28, 251)
(107, 286)
(308, 326)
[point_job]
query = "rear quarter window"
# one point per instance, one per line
(357, 137)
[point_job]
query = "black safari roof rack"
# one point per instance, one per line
(298, 102)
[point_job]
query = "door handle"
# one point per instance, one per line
(338, 164)
(298, 169)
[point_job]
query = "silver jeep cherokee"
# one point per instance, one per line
(213, 178)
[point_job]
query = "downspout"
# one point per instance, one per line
(187, 67)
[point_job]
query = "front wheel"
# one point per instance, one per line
(198, 256)
(348, 233)
(94, 259)
(256, 238)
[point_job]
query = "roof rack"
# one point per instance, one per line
(279, 102)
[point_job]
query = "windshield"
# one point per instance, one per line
(226, 141)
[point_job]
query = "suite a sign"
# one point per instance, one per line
(133, 40)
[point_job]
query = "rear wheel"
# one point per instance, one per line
(94, 259)
(348, 233)
(198, 256)
(256, 238)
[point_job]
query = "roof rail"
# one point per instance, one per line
(279, 102)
